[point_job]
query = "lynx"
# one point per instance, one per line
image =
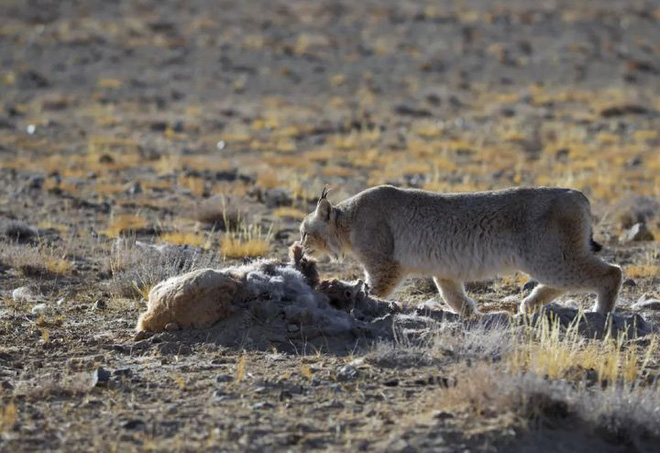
(457, 237)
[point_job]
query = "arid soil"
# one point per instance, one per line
(142, 139)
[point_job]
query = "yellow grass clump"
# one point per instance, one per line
(642, 270)
(288, 212)
(125, 223)
(249, 241)
(57, 266)
(548, 350)
(181, 238)
(195, 184)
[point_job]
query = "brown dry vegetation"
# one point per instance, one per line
(213, 127)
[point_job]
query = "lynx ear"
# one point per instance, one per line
(323, 209)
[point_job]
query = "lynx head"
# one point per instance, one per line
(318, 232)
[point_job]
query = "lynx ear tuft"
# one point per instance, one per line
(324, 193)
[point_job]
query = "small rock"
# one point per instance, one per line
(219, 395)
(442, 415)
(6, 123)
(224, 378)
(629, 283)
(36, 182)
(510, 299)
(32, 79)
(293, 328)
(39, 309)
(135, 188)
(178, 126)
(19, 231)
(100, 304)
(637, 233)
(394, 382)
(408, 110)
(31, 129)
(122, 372)
(262, 405)
(158, 126)
(6, 385)
(100, 377)
(106, 159)
(141, 335)
(646, 304)
(347, 373)
(133, 424)
(530, 285)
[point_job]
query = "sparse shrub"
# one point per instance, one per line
(34, 261)
(19, 231)
(136, 266)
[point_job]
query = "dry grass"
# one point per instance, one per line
(192, 239)
(246, 241)
(58, 265)
(522, 376)
(7, 416)
(125, 223)
(549, 350)
(287, 212)
(642, 270)
(234, 247)
(136, 267)
(31, 260)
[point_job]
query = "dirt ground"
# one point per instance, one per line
(213, 126)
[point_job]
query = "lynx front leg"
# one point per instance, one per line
(383, 277)
(454, 295)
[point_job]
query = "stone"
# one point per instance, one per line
(224, 378)
(347, 373)
(100, 377)
(530, 285)
(629, 283)
(133, 425)
(639, 232)
(39, 309)
(26, 294)
(644, 303)
(122, 372)
(19, 231)
(100, 304)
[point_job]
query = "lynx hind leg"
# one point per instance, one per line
(582, 274)
(540, 296)
(383, 277)
(453, 293)
(609, 285)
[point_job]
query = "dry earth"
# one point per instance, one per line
(213, 126)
